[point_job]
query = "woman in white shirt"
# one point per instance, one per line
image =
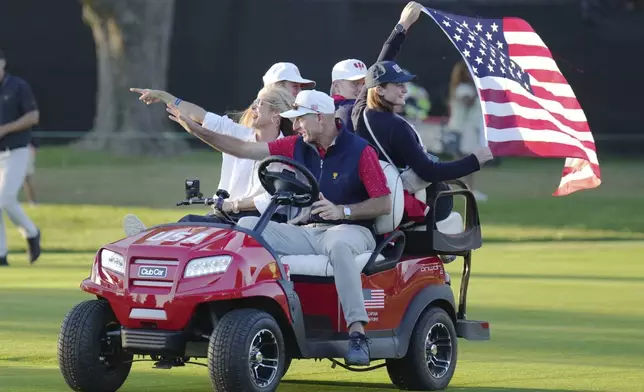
(465, 126)
(259, 122)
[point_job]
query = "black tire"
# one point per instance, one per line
(80, 346)
(412, 372)
(229, 351)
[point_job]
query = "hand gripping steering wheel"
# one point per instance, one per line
(286, 181)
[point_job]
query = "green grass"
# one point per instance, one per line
(563, 316)
(560, 279)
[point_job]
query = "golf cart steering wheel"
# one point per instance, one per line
(302, 194)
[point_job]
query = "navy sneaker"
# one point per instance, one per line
(358, 354)
(3, 261)
(34, 248)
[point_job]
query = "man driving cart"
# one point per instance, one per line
(353, 192)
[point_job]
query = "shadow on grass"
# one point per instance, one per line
(49, 379)
(572, 335)
(343, 385)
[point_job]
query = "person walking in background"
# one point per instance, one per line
(18, 114)
(464, 131)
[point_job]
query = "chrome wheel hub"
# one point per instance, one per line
(263, 358)
(438, 350)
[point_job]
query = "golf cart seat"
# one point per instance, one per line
(319, 265)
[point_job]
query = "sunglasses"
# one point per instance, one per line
(259, 102)
(313, 107)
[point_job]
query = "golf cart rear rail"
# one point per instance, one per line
(462, 244)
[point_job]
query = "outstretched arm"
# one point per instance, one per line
(406, 145)
(389, 52)
(194, 112)
(224, 143)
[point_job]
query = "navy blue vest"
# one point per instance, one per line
(338, 173)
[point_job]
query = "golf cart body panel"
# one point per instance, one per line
(168, 299)
(387, 295)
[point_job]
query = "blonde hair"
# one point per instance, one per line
(279, 99)
(376, 102)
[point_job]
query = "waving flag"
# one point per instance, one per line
(529, 108)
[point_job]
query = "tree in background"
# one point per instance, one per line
(132, 39)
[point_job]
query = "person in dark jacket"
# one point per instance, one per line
(18, 115)
(385, 89)
(347, 79)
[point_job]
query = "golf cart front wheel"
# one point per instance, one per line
(246, 352)
(90, 358)
(431, 357)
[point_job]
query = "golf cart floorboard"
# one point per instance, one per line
(380, 347)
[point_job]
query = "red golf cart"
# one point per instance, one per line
(180, 291)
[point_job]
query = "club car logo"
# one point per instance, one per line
(152, 272)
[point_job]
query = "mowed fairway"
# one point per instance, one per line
(561, 280)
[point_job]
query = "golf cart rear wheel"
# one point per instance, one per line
(89, 358)
(246, 352)
(431, 358)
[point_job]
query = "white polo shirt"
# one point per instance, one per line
(238, 175)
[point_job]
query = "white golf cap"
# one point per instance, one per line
(285, 71)
(310, 101)
(350, 69)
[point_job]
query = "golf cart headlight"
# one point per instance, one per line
(207, 266)
(112, 261)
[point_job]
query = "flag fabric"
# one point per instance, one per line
(374, 298)
(529, 107)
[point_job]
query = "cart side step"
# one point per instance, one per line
(473, 329)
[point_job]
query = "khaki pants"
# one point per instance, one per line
(13, 169)
(341, 243)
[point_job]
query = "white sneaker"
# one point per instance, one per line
(479, 196)
(132, 225)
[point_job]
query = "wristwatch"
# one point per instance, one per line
(400, 28)
(347, 211)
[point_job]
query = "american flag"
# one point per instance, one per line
(529, 107)
(374, 298)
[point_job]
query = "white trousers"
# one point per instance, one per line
(13, 169)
